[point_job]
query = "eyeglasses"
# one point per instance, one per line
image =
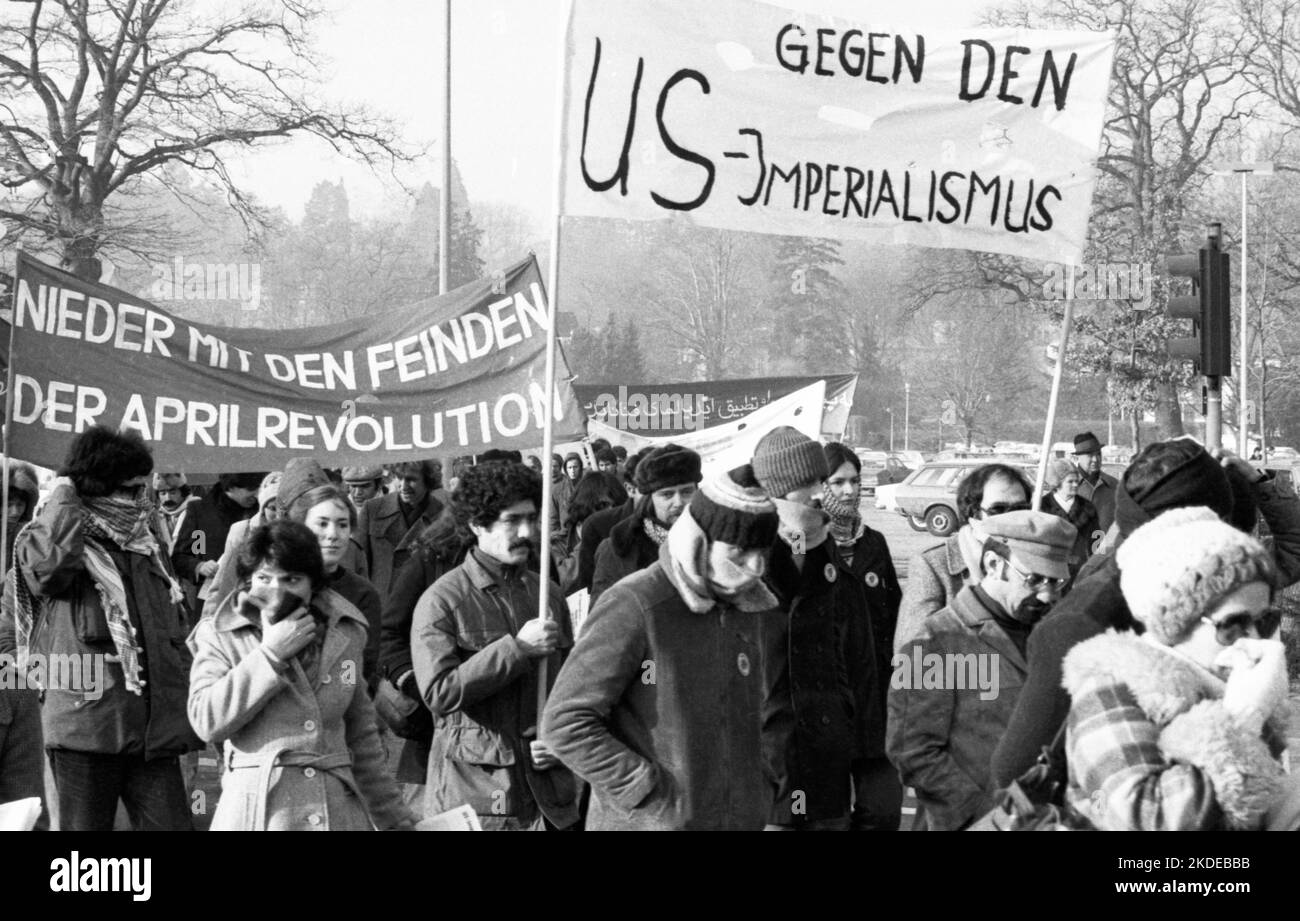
(1235, 626)
(1001, 508)
(1034, 580)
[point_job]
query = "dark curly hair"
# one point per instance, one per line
(484, 491)
(594, 492)
(970, 494)
(101, 459)
(288, 544)
(429, 470)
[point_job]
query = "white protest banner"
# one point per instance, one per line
(745, 116)
(732, 444)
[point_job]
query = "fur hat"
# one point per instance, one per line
(731, 507)
(1176, 567)
(300, 475)
(163, 481)
(786, 459)
(670, 465)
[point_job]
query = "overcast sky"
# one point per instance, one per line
(388, 54)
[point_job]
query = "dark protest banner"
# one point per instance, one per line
(674, 409)
(749, 116)
(455, 374)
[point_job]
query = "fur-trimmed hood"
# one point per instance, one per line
(1184, 701)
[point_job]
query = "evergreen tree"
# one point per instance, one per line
(631, 365)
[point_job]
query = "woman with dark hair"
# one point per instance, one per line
(595, 492)
(872, 614)
(935, 575)
(275, 679)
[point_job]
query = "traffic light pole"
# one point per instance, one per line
(1213, 412)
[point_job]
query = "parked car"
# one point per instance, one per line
(893, 469)
(928, 497)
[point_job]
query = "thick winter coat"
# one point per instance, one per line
(1151, 747)
(50, 554)
(200, 536)
(658, 709)
(871, 631)
(628, 549)
(595, 530)
(1102, 495)
(482, 690)
(385, 539)
(1083, 515)
(941, 738)
(934, 577)
(300, 755)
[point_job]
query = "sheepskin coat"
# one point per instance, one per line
(1151, 747)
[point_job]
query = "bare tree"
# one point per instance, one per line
(100, 97)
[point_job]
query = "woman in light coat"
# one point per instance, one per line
(277, 676)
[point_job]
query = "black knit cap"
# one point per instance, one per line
(731, 507)
(670, 465)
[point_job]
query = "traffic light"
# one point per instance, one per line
(1208, 307)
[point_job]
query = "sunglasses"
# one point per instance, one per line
(1001, 508)
(1235, 626)
(1033, 579)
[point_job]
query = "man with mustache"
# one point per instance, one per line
(174, 497)
(476, 646)
(944, 723)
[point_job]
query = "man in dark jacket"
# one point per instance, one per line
(1169, 474)
(665, 480)
(658, 706)
(200, 535)
(388, 525)
(1098, 487)
(105, 593)
(596, 528)
(955, 683)
(476, 645)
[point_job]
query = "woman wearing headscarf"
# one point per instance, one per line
(1179, 728)
(275, 678)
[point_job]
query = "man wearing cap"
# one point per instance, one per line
(1097, 487)
(666, 479)
(658, 705)
(363, 483)
(955, 684)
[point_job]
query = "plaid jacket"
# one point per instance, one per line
(1151, 747)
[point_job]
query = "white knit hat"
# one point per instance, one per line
(1176, 567)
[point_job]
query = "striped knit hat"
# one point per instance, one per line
(731, 507)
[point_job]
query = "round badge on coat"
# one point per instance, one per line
(830, 572)
(742, 663)
(872, 579)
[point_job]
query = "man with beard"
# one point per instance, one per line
(1097, 487)
(666, 479)
(956, 683)
(174, 498)
(476, 647)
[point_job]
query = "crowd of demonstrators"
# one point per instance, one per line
(93, 564)
(1180, 727)
(388, 525)
(597, 492)
(1165, 475)
(202, 530)
(937, 574)
(274, 679)
(477, 644)
(22, 751)
(1063, 501)
(942, 733)
(664, 479)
